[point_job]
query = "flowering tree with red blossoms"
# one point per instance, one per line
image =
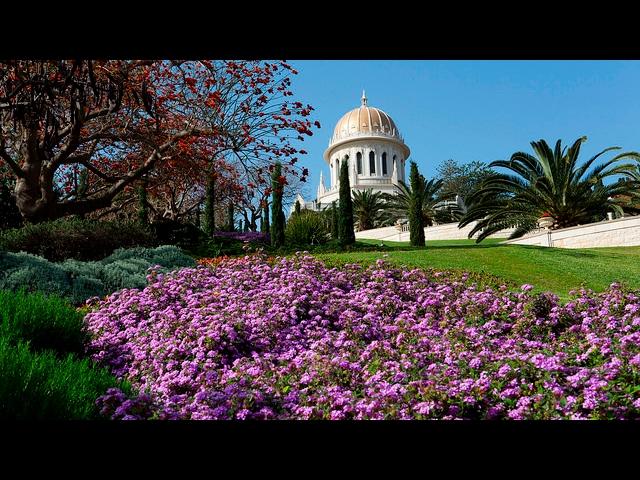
(77, 134)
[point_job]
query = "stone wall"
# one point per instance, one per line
(447, 231)
(621, 232)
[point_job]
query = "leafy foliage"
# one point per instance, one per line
(549, 184)
(307, 228)
(368, 209)
(172, 232)
(462, 179)
(75, 238)
(435, 208)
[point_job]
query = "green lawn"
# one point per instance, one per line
(555, 269)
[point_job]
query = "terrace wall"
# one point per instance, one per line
(621, 232)
(446, 231)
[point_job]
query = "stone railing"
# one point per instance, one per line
(362, 182)
(373, 181)
(337, 138)
(619, 232)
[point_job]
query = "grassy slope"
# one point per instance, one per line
(555, 269)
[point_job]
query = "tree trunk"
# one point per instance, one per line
(35, 197)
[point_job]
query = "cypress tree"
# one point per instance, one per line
(230, 225)
(264, 224)
(277, 229)
(297, 208)
(209, 208)
(83, 183)
(416, 224)
(346, 234)
(143, 208)
(197, 218)
(334, 220)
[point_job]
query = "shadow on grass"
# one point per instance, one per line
(569, 252)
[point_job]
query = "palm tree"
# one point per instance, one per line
(368, 209)
(434, 208)
(631, 201)
(549, 184)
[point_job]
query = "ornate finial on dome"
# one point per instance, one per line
(364, 99)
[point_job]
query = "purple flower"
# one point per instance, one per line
(290, 338)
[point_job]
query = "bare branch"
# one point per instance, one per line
(15, 168)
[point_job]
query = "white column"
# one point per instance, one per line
(394, 173)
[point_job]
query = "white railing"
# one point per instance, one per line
(373, 181)
(337, 138)
(362, 182)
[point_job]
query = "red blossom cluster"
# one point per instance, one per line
(104, 125)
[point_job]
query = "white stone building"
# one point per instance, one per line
(370, 141)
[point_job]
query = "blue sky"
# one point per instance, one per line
(476, 110)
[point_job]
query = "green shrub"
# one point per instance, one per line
(83, 288)
(74, 238)
(37, 385)
(46, 322)
(78, 281)
(24, 271)
(165, 255)
(175, 233)
(307, 228)
(9, 214)
(129, 273)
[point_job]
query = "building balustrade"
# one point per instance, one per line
(337, 138)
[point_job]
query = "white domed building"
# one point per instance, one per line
(370, 141)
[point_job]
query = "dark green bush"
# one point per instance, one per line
(307, 228)
(169, 232)
(216, 247)
(74, 238)
(9, 214)
(46, 322)
(78, 281)
(25, 271)
(38, 385)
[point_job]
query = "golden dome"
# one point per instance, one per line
(365, 121)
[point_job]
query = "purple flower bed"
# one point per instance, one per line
(244, 236)
(294, 339)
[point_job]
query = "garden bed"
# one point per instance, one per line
(289, 338)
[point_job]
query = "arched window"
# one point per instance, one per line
(337, 166)
(359, 162)
(372, 163)
(384, 163)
